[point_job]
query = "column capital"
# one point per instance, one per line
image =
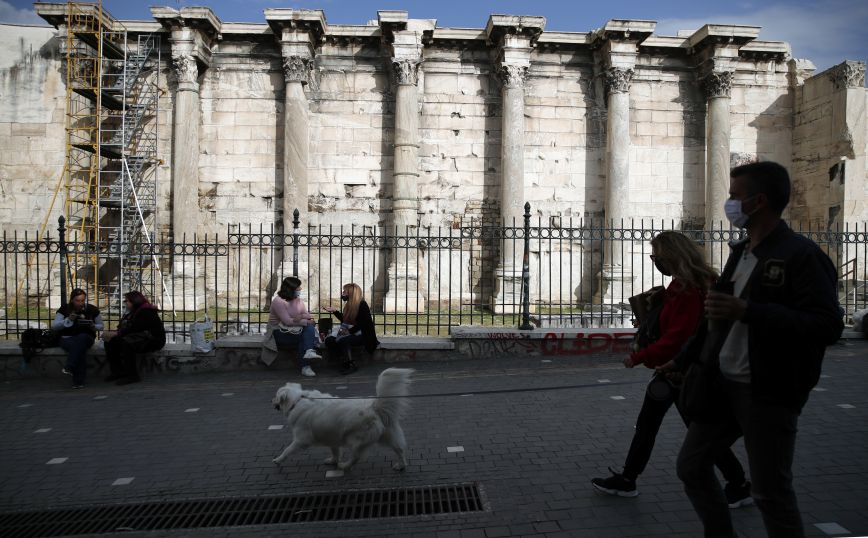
(848, 75)
(617, 80)
(298, 31)
(192, 31)
(717, 84)
(406, 71)
(512, 76)
(297, 69)
(403, 40)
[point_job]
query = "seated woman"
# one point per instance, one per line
(139, 331)
(357, 327)
(289, 323)
(77, 323)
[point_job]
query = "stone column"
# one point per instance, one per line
(515, 38)
(512, 196)
(296, 141)
(616, 280)
(185, 143)
(298, 32)
(192, 33)
(402, 275)
(718, 87)
(617, 206)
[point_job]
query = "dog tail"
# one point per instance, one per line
(392, 385)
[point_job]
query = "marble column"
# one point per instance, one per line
(718, 86)
(403, 271)
(187, 286)
(296, 139)
(185, 145)
(296, 148)
(508, 273)
(615, 283)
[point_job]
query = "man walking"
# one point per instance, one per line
(769, 334)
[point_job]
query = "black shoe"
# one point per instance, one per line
(112, 377)
(349, 367)
(128, 380)
(738, 495)
(616, 485)
(79, 386)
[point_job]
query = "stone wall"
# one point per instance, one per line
(32, 108)
(774, 110)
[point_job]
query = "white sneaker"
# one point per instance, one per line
(307, 372)
(311, 354)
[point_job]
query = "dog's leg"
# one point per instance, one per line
(295, 446)
(352, 452)
(335, 457)
(399, 445)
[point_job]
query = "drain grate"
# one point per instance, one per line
(228, 512)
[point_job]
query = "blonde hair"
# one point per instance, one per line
(684, 258)
(351, 309)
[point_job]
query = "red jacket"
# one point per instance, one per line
(682, 311)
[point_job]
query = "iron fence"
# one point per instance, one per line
(419, 281)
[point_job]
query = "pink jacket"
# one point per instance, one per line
(293, 312)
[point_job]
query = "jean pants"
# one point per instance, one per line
(304, 341)
(770, 442)
(76, 359)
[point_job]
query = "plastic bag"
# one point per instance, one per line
(202, 335)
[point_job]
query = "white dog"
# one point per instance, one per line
(353, 425)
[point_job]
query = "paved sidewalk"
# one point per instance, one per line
(533, 452)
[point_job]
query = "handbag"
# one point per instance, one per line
(34, 340)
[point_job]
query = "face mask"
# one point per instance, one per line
(663, 268)
(345, 297)
(735, 214)
(298, 294)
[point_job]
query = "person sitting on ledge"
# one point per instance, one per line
(139, 331)
(77, 323)
(289, 323)
(357, 327)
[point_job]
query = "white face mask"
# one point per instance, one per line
(734, 213)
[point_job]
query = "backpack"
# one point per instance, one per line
(34, 340)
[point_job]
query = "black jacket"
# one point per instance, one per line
(84, 324)
(365, 324)
(792, 315)
(145, 318)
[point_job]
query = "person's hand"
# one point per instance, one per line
(329, 309)
(628, 362)
(666, 367)
(108, 335)
(724, 306)
(72, 317)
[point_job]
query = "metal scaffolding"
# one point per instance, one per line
(111, 153)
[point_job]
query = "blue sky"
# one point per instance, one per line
(824, 31)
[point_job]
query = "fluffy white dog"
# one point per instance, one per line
(347, 426)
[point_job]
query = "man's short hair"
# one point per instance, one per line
(767, 178)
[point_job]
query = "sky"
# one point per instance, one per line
(823, 31)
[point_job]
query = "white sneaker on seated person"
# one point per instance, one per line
(307, 372)
(311, 354)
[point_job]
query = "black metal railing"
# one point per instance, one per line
(422, 281)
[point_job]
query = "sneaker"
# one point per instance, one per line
(311, 354)
(64, 371)
(616, 485)
(76, 387)
(307, 372)
(738, 496)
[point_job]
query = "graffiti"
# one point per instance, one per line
(507, 336)
(486, 349)
(586, 343)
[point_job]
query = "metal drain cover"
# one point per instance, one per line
(243, 511)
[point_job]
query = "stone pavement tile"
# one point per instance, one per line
(533, 453)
